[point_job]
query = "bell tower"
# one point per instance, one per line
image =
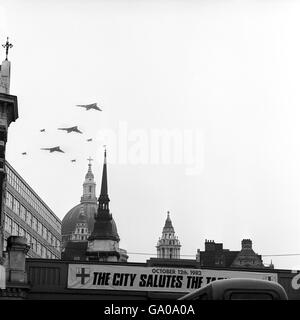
(168, 246)
(89, 186)
(104, 241)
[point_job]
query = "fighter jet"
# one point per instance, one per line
(89, 106)
(43, 130)
(71, 129)
(53, 149)
(24, 153)
(89, 139)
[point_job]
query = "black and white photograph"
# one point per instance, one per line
(150, 150)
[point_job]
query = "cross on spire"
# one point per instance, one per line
(90, 160)
(7, 46)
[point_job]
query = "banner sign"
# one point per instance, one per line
(110, 277)
(2, 277)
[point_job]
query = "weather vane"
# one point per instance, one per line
(7, 46)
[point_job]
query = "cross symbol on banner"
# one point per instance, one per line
(82, 275)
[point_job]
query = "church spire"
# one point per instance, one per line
(104, 192)
(104, 227)
(104, 198)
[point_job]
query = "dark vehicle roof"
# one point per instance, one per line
(220, 286)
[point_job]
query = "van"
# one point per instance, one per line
(238, 289)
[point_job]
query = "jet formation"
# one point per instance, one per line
(91, 106)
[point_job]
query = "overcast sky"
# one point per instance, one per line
(222, 76)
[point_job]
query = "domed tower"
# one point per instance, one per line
(87, 206)
(89, 186)
(104, 241)
(168, 246)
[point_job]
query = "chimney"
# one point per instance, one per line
(246, 244)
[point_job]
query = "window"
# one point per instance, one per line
(44, 232)
(28, 218)
(250, 296)
(43, 252)
(21, 232)
(33, 244)
(9, 200)
(38, 248)
(8, 224)
(22, 212)
(34, 223)
(49, 236)
(15, 229)
(28, 237)
(4, 244)
(16, 206)
(39, 228)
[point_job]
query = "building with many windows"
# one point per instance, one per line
(27, 215)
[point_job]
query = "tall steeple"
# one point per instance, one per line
(168, 246)
(104, 227)
(103, 198)
(89, 186)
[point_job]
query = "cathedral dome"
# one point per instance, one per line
(90, 210)
(73, 217)
(91, 221)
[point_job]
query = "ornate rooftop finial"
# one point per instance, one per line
(90, 162)
(7, 45)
